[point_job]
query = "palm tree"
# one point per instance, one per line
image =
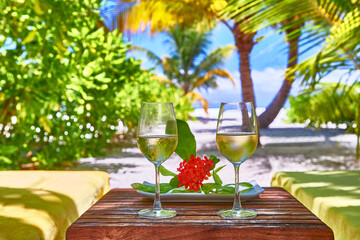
(333, 23)
(189, 66)
(160, 14)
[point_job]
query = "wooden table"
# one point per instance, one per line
(280, 216)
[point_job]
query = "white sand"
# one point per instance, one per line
(285, 147)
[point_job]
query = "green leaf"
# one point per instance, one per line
(5, 160)
(37, 7)
(89, 69)
(227, 189)
(164, 187)
(216, 178)
(174, 182)
(219, 168)
(215, 161)
(230, 188)
(29, 37)
(246, 184)
(209, 187)
(7, 150)
(186, 141)
(166, 172)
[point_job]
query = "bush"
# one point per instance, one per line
(327, 102)
(65, 84)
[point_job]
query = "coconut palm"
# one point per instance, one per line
(160, 14)
(333, 23)
(189, 66)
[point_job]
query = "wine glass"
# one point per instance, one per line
(157, 138)
(236, 139)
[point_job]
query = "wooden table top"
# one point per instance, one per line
(280, 216)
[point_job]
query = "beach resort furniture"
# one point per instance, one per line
(280, 216)
(42, 204)
(333, 196)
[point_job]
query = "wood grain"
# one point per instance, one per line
(280, 216)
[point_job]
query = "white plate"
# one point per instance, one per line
(202, 197)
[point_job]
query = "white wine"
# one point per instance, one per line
(157, 148)
(236, 147)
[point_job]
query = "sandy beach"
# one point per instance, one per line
(285, 147)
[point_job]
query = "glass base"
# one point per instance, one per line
(237, 214)
(162, 213)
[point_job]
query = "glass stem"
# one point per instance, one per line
(157, 203)
(237, 202)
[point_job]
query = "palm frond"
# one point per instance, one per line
(114, 9)
(215, 58)
(195, 96)
(187, 45)
(332, 23)
(211, 74)
(341, 51)
(162, 80)
(318, 15)
(258, 14)
(158, 15)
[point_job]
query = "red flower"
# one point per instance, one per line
(194, 172)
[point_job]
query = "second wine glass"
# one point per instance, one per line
(236, 139)
(157, 138)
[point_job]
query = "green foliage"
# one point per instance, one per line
(166, 172)
(65, 84)
(329, 102)
(216, 176)
(164, 187)
(333, 24)
(186, 141)
(189, 65)
(207, 188)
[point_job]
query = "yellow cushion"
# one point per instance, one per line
(43, 204)
(333, 196)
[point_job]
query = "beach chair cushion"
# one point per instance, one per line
(333, 196)
(42, 204)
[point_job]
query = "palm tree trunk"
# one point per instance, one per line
(244, 43)
(275, 106)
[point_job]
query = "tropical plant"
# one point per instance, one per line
(65, 84)
(328, 102)
(332, 24)
(189, 65)
(160, 14)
